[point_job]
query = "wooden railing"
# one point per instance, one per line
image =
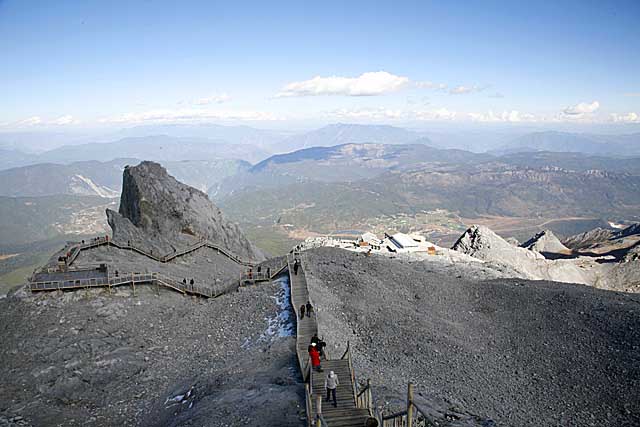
(132, 279)
(413, 416)
(75, 251)
(317, 420)
(264, 275)
(364, 398)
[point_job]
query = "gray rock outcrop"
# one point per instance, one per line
(160, 214)
(588, 239)
(546, 242)
(482, 243)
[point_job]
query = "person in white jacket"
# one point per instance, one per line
(331, 384)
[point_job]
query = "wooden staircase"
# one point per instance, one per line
(347, 412)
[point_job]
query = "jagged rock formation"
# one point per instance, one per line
(159, 213)
(600, 241)
(612, 269)
(546, 242)
(480, 242)
(588, 239)
(629, 231)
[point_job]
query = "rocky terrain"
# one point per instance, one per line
(547, 244)
(545, 258)
(483, 348)
(91, 358)
(158, 212)
(153, 357)
(518, 352)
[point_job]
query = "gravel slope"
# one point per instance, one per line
(89, 358)
(518, 352)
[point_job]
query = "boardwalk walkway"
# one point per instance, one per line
(76, 249)
(85, 278)
(347, 413)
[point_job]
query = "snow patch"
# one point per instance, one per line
(282, 325)
(99, 190)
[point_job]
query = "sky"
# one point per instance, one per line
(84, 64)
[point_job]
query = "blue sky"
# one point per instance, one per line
(95, 63)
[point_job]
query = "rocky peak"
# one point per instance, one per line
(628, 231)
(481, 242)
(546, 241)
(158, 212)
(588, 239)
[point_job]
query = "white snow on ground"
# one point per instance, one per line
(618, 226)
(283, 324)
(99, 190)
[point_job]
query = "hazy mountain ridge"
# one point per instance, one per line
(429, 178)
(343, 163)
(104, 179)
(159, 148)
(610, 145)
(343, 133)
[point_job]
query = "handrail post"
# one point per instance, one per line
(410, 405)
(318, 410)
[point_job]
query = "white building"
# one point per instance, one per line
(401, 242)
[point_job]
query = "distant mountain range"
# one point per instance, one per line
(610, 145)
(339, 134)
(323, 188)
(104, 179)
(213, 142)
(341, 163)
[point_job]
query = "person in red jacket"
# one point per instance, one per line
(315, 358)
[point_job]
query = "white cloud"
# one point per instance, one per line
(189, 115)
(367, 84)
(31, 121)
(430, 85)
(64, 120)
(625, 118)
(462, 90)
(365, 113)
(582, 109)
(214, 99)
(513, 116)
(438, 114)
(391, 114)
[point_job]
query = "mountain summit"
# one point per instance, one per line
(546, 242)
(158, 212)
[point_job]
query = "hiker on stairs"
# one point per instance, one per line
(320, 345)
(315, 358)
(309, 308)
(331, 383)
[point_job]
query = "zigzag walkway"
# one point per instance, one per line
(347, 413)
(76, 249)
(91, 278)
(111, 281)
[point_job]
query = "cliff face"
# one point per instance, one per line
(161, 214)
